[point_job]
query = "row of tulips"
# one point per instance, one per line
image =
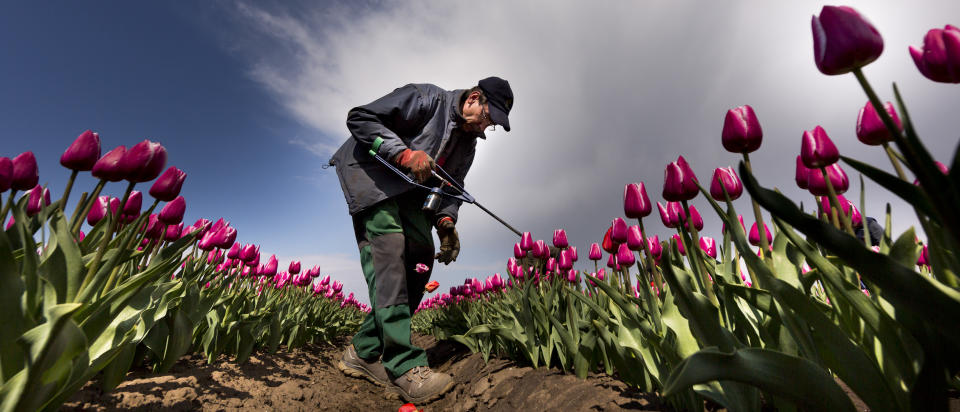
(819, 300)
(138, 287)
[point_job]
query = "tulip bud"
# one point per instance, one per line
(83, 153)
(540, 250)
(225, 237)
(294, 267)
(518, 251)
(838, 178)
(636, 204)
(108, 167)
(870, 129)
(173, 232)
(595, 252)
(709, 246)
(10, 223)
(551, 264)
(843, 40)
(208, 241)
(654, 247)
(817, 150)
(571, 276)
(563, 260)
(679, 181)
(154, 228)
(680, 247)
(270, 268)
(940, 58)
(172, 212)
(802, 174)
(619, 232)
(248, 252)
(526, 241)
(634, 240)
(168, 184)
(741, 130)
(6, 173)
(39, 197)
(612, 261)
(26, 174)
(133, 205)
(560, 239)
(754, 236)
(625, 256)
(325, 280)
(695, 218)
(144, 161)
(572, 252)
(725, 178)
(607, 242)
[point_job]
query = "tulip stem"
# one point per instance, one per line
(66, 192)
(835, 203)
(885, 117)
(114, 222)
(76, 222)
(761, 226)
(649, 257)
(693, 253)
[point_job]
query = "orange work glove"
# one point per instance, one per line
(417, 162)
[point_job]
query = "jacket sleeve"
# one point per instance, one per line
(451, 207)
(404, 109)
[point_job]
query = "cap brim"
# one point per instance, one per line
(499, 117)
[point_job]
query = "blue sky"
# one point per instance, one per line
(250, 98)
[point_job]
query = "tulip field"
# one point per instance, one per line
(783, 308)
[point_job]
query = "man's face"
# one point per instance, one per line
(477, 116)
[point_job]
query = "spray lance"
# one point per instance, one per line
(448, 187)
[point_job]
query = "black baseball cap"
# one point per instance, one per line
(499, 98)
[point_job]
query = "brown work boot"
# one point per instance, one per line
(355, 366)
(420, 385)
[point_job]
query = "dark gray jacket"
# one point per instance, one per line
(416, 116)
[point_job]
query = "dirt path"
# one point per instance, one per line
(307, 379)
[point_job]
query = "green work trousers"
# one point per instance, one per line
(393, 235)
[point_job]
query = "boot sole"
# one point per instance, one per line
(359, 373)
(394, 392)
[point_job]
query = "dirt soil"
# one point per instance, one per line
(308, 379)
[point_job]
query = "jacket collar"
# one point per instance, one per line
(456, 114)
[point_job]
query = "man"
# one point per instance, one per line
(410, 127)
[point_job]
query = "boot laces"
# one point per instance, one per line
(419, 372)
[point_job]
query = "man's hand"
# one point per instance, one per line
(449, 241)
(417, 162)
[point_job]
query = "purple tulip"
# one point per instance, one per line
(6, 173)
(680, 247)
(173, 232)
(817, 186)
(560, 239)
(154, 228)
(526, 241)
(208, 241)
(742, 226)
(270, 268)
(172, 212)
(571, 276)
(846, 205)
(551, 264)
(518, 251)
(612, 261)
(940, 58)
(618, 232)
(248, 252)
(601, 274)
(695, 218)
(39, 197)
(294, 267)
(83, 153)
(924, 258)
(634, 240)
(817, 150)
(325, 280)
(741, 130)
(625, 256)
(843, 40)
(709, 246)
(636, 204)
(108, 167)
(563, 260)
(98, 210)
(540, 250)
(802, 174)
(572, 252)
(870, 129)
(134, 203)
(10, 223)
(654, 247)
(754, 236)
(25, 172)
(81, 236)
(168, 185)
(203, 226)
(672, 214)
(725, 178)
(421, 268)
(144, 161)
(679, 181)
(595, 252)
(225, 237)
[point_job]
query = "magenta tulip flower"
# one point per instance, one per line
(680, 247)
(203, 226)
(6, 173)
(83, 153)
(939, 60)
(551, 264)
(154, 228)
(817, 150)
(26, 174)
(526, 241)
(612, 261)
(39, 197)
(843, 40)
(421, 268)
(754, 236)
(560, 238)
(248, 252)
(634, 240)
(563, 260)
(636, 204)
(695, 218)
(10, 223)
(294, 267)
(540, 250)
(665, 217)
(208, 241)
(817, 186)
(741, 130)
(270, 268)
(108, 167)
(709, 246)
(846, 205)
(168, 185)
(134, 203)
(172, 212)
(98, 210)
(742, 226)
(226, 237)
(923, 259)
(870, 129)
(325, 280)
(625, 256)
(173, 232)
(725, 178)
(679, 181)
(618, 232)
(654, 247)
(572, 252)
(144, 161)
(518, 251)
(595, 253)
(802, 174)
